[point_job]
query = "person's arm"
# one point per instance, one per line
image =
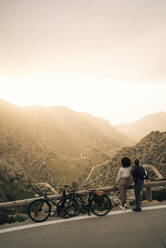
(133, 171)
(118, 176)
(130, 177)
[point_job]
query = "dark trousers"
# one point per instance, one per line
(138, 185)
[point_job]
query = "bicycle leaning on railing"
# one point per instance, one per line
(40, 209)
(98, 202)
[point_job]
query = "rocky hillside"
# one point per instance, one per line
(150, 150)
(144, 126)
(53, 145)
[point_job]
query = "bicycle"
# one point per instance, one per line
(75, 196)
(98, 202)
(39, 210)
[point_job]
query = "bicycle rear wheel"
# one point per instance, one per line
(100, 205)
(39, 210)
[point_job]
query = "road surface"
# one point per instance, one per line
(146, 229)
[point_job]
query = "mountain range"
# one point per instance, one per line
(138, 129)
(55, 145)
(151, 150)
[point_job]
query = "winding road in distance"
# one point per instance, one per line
(156, 171)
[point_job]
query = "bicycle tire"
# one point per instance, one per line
(39, 210)
(80, 202)
(100, 205)
(61, 210)
(67, 207)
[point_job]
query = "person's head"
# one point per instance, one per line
(137, 162)
(125, 162)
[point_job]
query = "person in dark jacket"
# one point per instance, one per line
(137, 173)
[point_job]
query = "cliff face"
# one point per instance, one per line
(54, 145)
(150, 150)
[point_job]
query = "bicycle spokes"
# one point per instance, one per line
(39, 210)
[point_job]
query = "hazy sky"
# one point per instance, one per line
(104, 57)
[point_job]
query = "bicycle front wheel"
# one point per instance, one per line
(67, 208)
(39, 210)
(100, 205)
(80, 203)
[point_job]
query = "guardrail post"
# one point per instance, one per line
(149, 193)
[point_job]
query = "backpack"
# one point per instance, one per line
(145, 176)
(140, 173)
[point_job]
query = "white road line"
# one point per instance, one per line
(11, 229)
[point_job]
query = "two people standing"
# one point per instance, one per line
(126, 175)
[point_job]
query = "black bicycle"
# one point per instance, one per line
(39, 210)
(98, 202)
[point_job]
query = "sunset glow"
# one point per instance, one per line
(115, 101)
(105, 57)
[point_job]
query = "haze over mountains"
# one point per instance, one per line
(137, 130)
(57, 145)
(52, 145)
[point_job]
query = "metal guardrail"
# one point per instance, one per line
(147, 185)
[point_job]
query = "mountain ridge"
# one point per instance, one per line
(150, 150)
(55, 145)
(140, 128)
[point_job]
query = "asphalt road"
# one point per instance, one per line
(130, 230)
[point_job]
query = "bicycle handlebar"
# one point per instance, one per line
(45, 192)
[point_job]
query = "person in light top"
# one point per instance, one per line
(123, 179)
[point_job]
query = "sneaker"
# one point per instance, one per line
(137, 209)
(122, 208)
(125, 206)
